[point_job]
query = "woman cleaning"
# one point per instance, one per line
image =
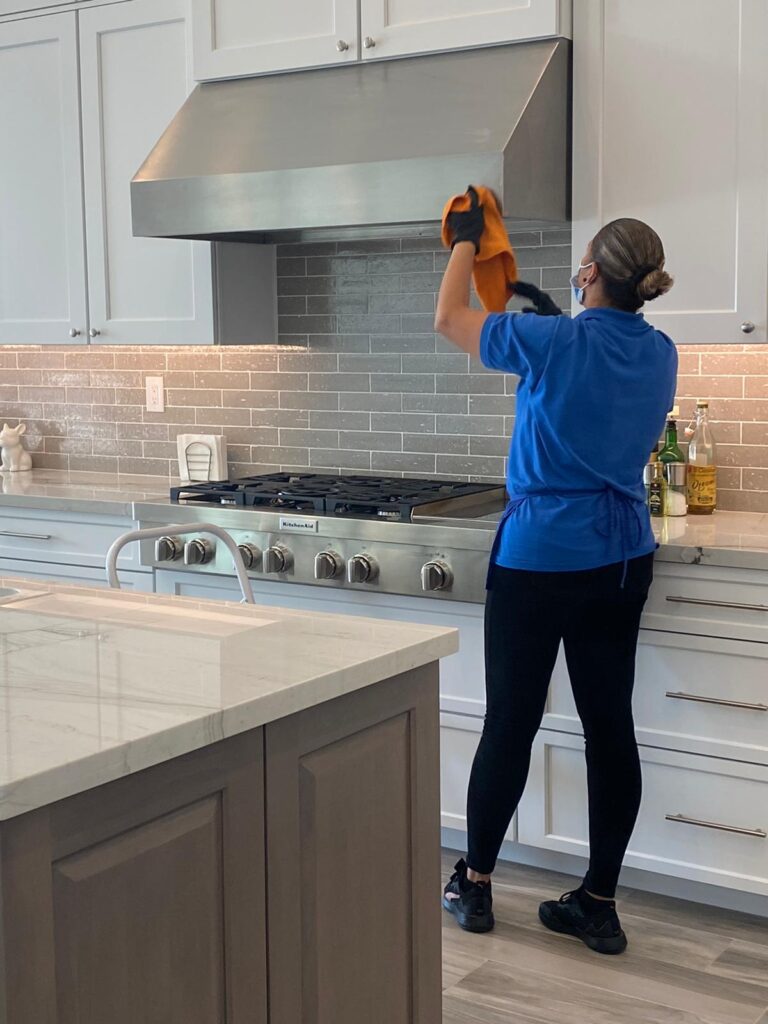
(572, 560)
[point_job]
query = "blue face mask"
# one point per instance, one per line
(578, 293)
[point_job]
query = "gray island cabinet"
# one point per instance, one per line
(214, 814)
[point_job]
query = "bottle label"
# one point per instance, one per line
(702, 486)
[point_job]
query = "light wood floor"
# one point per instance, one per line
(686, 963)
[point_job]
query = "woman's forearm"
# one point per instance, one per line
(453, 317)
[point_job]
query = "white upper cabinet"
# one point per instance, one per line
(22, 6)
(248, 37)
(395, 27)
(134, 78)
(42, 255)
(671, 126)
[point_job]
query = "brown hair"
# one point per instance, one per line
(631, 260)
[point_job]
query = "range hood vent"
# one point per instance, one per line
(363, 146)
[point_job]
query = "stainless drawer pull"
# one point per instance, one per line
(719, 604)
(744, 705)
(26, 536)
(758, 833)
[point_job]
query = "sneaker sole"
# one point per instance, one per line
(469, 924)
(610, 947)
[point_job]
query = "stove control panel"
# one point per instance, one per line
(436, 568)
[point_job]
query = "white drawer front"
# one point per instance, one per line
(458, 742)
(701, 818)
(698, 694)
(712, 602)
(68, 539)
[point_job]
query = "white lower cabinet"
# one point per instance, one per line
(697, 694)
(459, 738)
(703, 819)
(74, 574)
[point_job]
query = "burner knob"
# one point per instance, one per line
(362, 569)
(168, 549)
(198, 552)
(436, 576)
(250, 554)
(328, 565)
(277, 559)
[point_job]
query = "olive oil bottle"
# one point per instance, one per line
(702, 466)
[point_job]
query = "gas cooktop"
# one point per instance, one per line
(366, 497)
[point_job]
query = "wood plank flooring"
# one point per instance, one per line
(686, 963)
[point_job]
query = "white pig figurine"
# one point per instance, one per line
(15, 458)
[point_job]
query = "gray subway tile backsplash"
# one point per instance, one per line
(404, 399)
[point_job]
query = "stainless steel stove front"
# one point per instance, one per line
(438, 561)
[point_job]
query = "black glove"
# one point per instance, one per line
(469, 225)
(543, 304)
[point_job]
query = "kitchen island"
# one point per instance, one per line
(216, 814)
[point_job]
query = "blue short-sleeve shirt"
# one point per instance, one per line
(593, 395)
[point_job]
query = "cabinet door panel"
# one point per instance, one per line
(148, 897)
(74, 574)
(250, 37)
(672, 127)
(724, 803)
(23, 6)
(134, 73)
(417, 26)
(42, 254)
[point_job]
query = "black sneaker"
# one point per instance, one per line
(575, 914)
(470, 903)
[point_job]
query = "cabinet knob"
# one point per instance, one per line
(747, 327)
(74, 333)
(94, 333)
(369, 42)
(342, 45)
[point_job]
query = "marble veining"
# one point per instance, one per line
(95, 685)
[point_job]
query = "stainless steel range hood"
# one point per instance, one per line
(362, 146)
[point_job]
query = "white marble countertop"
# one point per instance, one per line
(735, 539)
(95, 685)
(62, 491)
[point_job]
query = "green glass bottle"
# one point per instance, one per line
(671, 451)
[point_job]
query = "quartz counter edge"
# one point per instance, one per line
(320, 657)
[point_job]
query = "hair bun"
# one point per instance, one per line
(655, 283)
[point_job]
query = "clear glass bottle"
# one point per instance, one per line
(702, 465)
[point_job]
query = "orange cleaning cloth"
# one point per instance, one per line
(495, 265)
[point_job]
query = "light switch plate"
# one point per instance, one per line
(155, 393)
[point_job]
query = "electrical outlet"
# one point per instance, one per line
(155, 394)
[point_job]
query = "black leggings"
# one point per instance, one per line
(527, 615)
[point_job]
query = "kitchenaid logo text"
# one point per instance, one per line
(298, 525)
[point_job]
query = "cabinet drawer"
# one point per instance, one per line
(699, 694)
(69, 539)
(712, 602)
(701, 818)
